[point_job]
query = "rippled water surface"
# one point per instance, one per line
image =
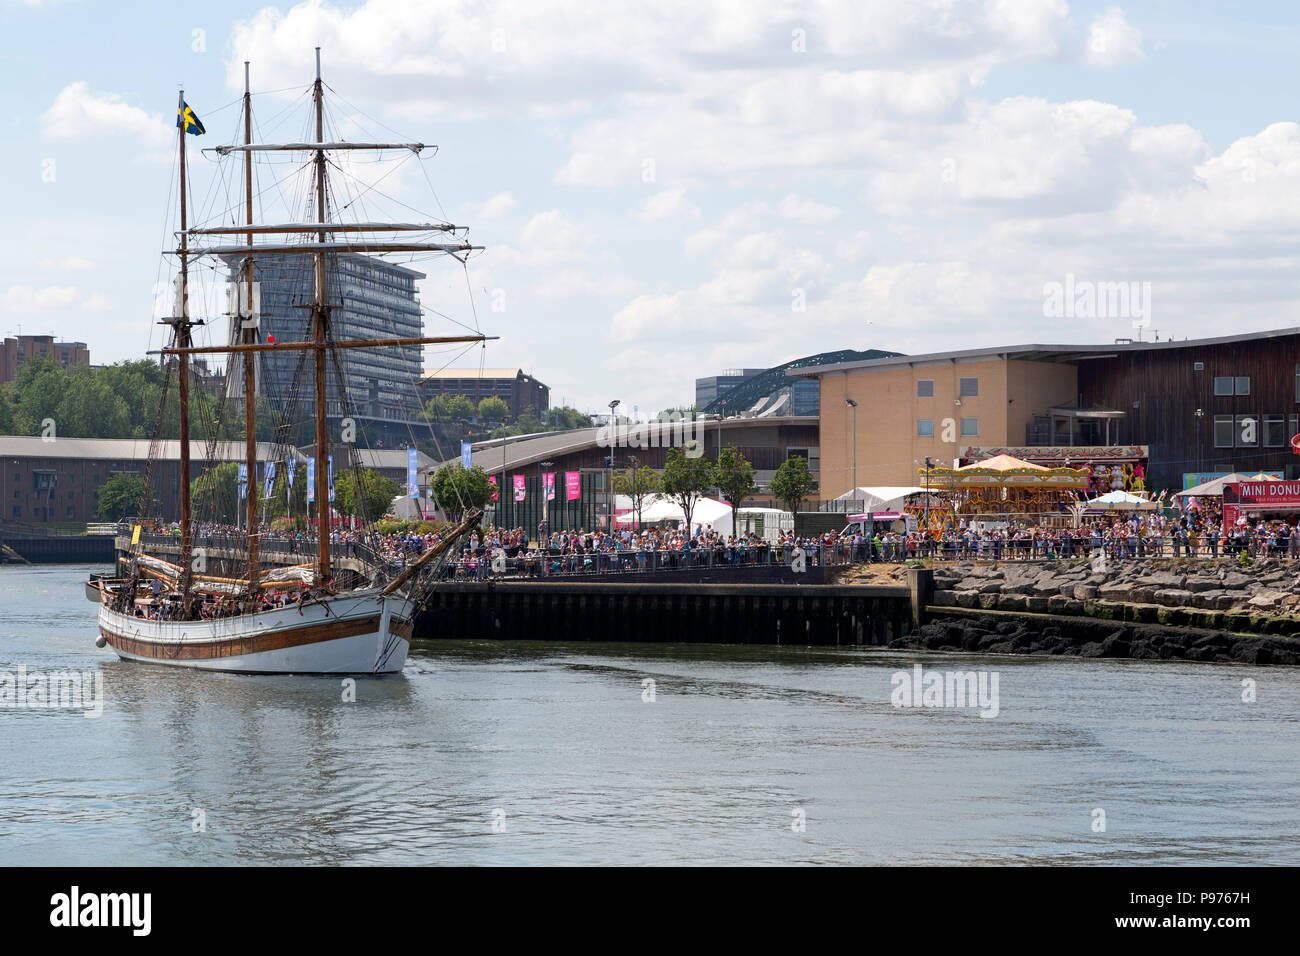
(737, 743)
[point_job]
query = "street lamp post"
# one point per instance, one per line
(613, 424)
(854, 411)
(541, 486)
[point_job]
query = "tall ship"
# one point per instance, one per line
(329, 614)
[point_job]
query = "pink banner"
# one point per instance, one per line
(573, 482)
(548, 485)
(520, 493)
(493, 479)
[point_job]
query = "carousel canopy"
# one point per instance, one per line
(1002, 463)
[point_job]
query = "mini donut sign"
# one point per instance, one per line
(1295, 444)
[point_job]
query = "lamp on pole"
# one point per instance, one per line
(853, 406)
(541, 486)
(613, 423)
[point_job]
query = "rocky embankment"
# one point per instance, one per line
(1154, 609)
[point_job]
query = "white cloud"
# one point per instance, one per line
(26, 299)
(78, 112)
(497, 206)
(575, 283)
(1112, 41)
(67, 264)
(806, 211)
(668, 205)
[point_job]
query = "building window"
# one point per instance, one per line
(1223, 385)
(925, 428)
(1223, 431)
(1274, 431)
(925, 388)
(969, 387)
(1297, 384)
(1247, 431)
(970, 427)
(1243, 385)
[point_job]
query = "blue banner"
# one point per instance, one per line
(311, 480)
(466, 455)
(330, 477)
(270, 479)
(293, 466)
(413, 474)
(243, 481)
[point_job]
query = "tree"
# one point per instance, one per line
(734, 476)
(363, 493)
(446, 409)
(563, 418)
(685, 480)
(121, 495)
(457, 488)
(215, 494)
(493, 409)
(792, 482)
(637, 483)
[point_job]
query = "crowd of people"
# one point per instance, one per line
(493, 551)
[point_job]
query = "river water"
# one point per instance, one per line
(523, 753)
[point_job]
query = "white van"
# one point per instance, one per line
(881, 521)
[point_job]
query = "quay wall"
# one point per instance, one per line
(674, 612)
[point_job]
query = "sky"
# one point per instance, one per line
(665, 190)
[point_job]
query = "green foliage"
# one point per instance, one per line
(792, 483)
(493, 409)
(274, 507)
(363, 493)
(734, 477)
(214, 495)
(456, 488)
(446, 409)
(121, 495)
(685, 480)
(638, 484)
(564, 418)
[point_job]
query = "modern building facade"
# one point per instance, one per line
(519, 390)
(1171, 410)
(371, 298)
(17, 350)
(709, 390)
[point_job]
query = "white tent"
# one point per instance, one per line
(659, 508)
(884, 498)
(1119, 501)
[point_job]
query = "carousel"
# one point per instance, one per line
(999, 489)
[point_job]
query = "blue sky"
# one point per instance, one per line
(666, 190)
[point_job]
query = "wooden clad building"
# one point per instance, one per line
(1175, 412)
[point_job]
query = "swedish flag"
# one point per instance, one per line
(192, 124)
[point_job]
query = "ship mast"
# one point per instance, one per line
(181, 324)
(320, 325)
(248, 336)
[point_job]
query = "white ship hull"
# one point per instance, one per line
(355, 633)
